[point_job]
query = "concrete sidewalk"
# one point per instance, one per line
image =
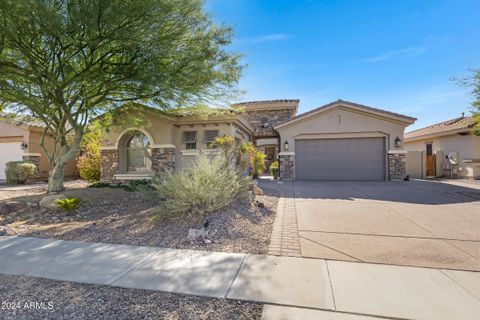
(296, 288)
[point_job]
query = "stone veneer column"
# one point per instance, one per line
(35, 159)
(397, 165)
(287, 165)
(109, 164)
(163, 159)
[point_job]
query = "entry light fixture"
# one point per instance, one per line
(24, 146)
(285, 146)
(398, 142)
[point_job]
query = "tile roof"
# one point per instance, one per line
(268, 104)
(340, 101)
(261, 102)
(443, 127)
(21, 120)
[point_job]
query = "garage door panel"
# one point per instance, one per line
(9, 151)
(340, 159)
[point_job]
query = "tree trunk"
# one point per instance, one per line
(55, 179)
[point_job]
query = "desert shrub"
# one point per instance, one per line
(209, 184)
(120, 185)
(19, 171)
(88, 164)
(225, 143)
(68, 204)
(258, 165)
(99, 184)
(274, 166)
(142, 185)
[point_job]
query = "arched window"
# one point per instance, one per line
(138, 157)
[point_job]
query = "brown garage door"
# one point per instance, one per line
(340, 159)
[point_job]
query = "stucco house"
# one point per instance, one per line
(20, 138)
(338, 141)
(446, 149)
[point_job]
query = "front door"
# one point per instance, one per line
(431, 161)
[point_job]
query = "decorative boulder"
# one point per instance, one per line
(50, 201)
(257, 191)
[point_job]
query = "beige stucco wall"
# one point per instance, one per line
(182, 156)
(168, 133)
(467, 146)
(158, 128)
(12, 133)
(34, 141)
(341, 123)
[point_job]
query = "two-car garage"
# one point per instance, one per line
(340, 159)
(343, 141)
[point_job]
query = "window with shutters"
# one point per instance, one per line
(210, 136)
(190, 139)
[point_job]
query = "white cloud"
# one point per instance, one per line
(396, 54)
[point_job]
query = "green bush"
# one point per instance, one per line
(208, 185)
(88, 165)
(274, 166)
(68, 204)
(19, 171)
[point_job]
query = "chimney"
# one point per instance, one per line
(463, 114)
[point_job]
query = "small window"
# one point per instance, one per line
(191, 146)
(264, 121)
(429, 149)
(211, 135)
(190, 139)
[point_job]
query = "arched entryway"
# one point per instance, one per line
(135, 153)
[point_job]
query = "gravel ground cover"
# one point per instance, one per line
(114, 215)
(33, 298)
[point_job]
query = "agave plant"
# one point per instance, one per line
(69, 204)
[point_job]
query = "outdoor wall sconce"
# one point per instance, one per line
(285, 146)
(398, 142)
(24, 146)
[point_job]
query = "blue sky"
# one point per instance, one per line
(395, 55)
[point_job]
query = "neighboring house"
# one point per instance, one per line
(20, 138)
(339, 141)
(430, 148)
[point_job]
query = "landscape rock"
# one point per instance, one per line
(10, 207)
(197, 234)
(257, 191)
(3, 231)
(50, 201)
(207, 241)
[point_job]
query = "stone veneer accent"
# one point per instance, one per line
(109, 164)
(397, 166)
(275, 117)
(163, 159)
(287, 166)
(36, 161)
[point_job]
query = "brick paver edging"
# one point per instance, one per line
(284, 240)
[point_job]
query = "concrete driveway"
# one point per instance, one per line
(415, 223)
